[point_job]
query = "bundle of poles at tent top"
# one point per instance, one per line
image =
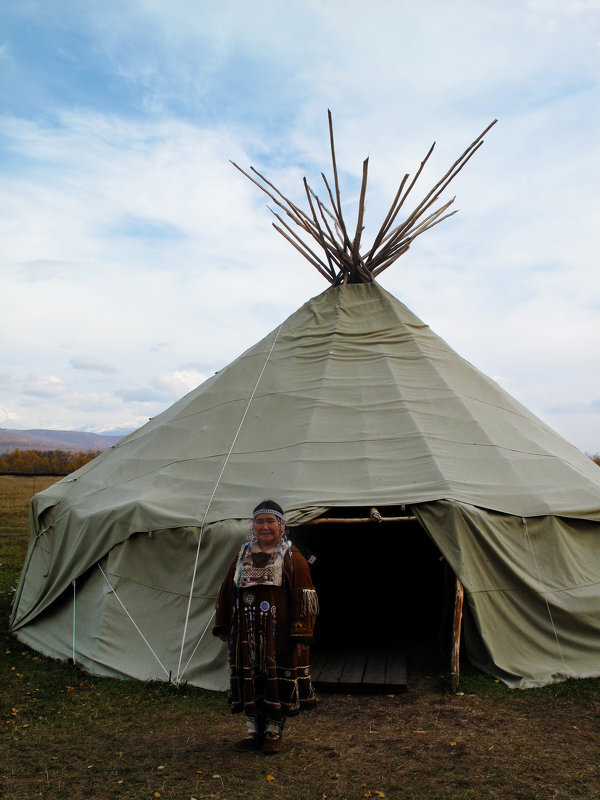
(344, 263)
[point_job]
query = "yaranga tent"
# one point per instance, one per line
(352, 402)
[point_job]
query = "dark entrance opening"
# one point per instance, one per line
(383, 589)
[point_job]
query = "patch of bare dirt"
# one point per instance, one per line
(420, 744)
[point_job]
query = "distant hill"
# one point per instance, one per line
(71, 441)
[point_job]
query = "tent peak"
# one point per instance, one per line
(343, 262)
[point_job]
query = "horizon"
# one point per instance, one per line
(108, 432)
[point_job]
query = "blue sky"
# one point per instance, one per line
(136, 261)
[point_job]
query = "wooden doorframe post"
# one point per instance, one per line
(459, 597)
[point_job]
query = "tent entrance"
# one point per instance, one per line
(384, 594)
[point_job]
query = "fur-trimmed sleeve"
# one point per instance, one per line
(225, 603)
(303, 597)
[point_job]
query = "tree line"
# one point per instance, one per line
(61, 462)
(44, 462)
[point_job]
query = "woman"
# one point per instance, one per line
(266, 609)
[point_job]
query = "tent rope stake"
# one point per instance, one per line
(237, 433)
(344, 262)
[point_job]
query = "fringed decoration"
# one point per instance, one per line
(309, 606)
(262, 641)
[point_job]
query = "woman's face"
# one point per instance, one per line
(266, 528)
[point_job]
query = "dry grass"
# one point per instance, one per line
(67, 735)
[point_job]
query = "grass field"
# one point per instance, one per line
(70, 735)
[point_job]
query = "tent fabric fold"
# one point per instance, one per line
(532, 586)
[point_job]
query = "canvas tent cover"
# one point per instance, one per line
(352, 401)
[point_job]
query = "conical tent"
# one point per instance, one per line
(350, 402)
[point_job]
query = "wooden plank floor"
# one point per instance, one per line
(359, 671)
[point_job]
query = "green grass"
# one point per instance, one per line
(70, 735)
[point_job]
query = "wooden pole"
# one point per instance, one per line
(351, 520)
(455, 657)
(343, 261)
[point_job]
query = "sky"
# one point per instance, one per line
(135, 261)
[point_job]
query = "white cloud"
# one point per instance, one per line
(92, 364)
(181, 381)
(7, 417)
(165, 388)
(133, 248)
(44, 386)
(140, 394)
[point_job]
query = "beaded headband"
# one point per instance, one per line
(268, 511)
